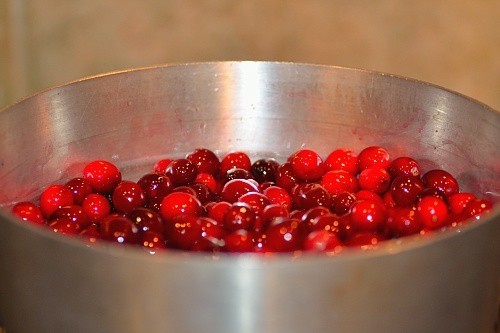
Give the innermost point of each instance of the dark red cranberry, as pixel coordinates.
(432, 192)
(338, 181)
(28, 211)
(323, 241)
(404, 167)
(369, 195)
(433, 212)
(155, 185)
(373, 157)
(160, 167)
(263, 186)
(298, 214)
(128, 196)
(310, 215)
(146, 220)
(374, 179)
(205, 161)
(185, 189)
(239, 241)
(365, 241)
(345, 227)
(212, 235)
(307, 165)
(217, 211)
(368, 216)
(457, 202)
(152, 240)
(80, 188)
(102, 175)
(64, 225)
(76, 214)
(119, 229)
(264, 170)
(234, 189)
(208, 180)
(342, 159)
(237, 173)
(256, 200)
(309, 195)
(96, 206)
(286, 177)
(403, 222)
(178, 203)
(154, 204)
(203, 193)
(239, 216)
(278, 195)
(406, 189)
(236, 160)
(342, 203)
(441, 180)
(327, 222)
(183, 231)
(91, 234)
(286, 236)
(259, 240)
(273, 211)
(181, 172)
(53, 198)
(477, 207)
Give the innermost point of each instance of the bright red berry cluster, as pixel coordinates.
(202, 203)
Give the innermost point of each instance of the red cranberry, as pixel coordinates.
(374, 179)
(119, 229)
(181, 172)
(264, 170)
(406, 189)
(256, 200)
(342, 159)
(146, 220)
(307, 165)
(102, 175)
(369, 195)
(286, 236)
(345, 228)
(183, 231)
(441, 180)
(309, 195)
(152, 240)
(80, 188)
(457, 202)
(128, 196)
(368, 216)
(365, 241)
(208, 180)
(64, 225)
(404, 167)
(323, 241)
(237, 160)
(298, 214)
(203, 193)
(477, 207)
(53, 198)
(273, 211)
(278, 195)
(155, 185)
(388, 200)
(373, 157)
(91, 234)
(328, 222)
(212, 235)
(342, 203)
(154, 204)
(263, 186)
(286, 177)
(432, 192)
(234, 189)
(433, 212)
(237, 173)
(96, 206)
(205, 161)
(160, 167)
(403, 222)
(239, 216)
(239, 241)
(338, 181)
(75, 213)
(217, 211)
(309, 216)
(28, 211)
(178, 203)
(185, 189)
(259, 240)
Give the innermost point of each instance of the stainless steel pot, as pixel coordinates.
(49, 283)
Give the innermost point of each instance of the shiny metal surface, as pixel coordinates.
(48, 283)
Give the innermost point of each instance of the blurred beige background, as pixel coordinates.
(455, 44)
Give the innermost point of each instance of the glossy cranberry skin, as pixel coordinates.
(307, 165)
(205, 161)
(102, 175)
(309, 195)
(457, 202)
(342, 203)
(374, 179)
(264, 170)
(119, 229)
(155, 186)
(338, 181)
(286, 177)
(271, 212)
(327, 222)
(128, 196)
(217, 211)
(208, 180)
(202, 193)
(404, 167)
(239, 241)
(212, 235)
(369, 195)
(373, 157)
(279, 196)
(183, 231)
(432, 192)
(365, 241)
(433, 212)
(146, 220)
(239, 216)
(406, 189)
(368, 216)
(96, 206)
(342, 159)
(160, 166)
(181, 172)
(28, 211)
(234, 189)
(308, 219)
(237, 173)
(53, 198)
(91, 234)
(179, 203)
(237, 160)
(441, 180)
(388, 200)
(323, 241)
(286, 236)
(257, 201)
(402, 221)
(152, 240)
(477, 207)
(80, 188)
(64, 225)
(75, 214)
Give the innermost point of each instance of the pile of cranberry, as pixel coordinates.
(202, 203)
